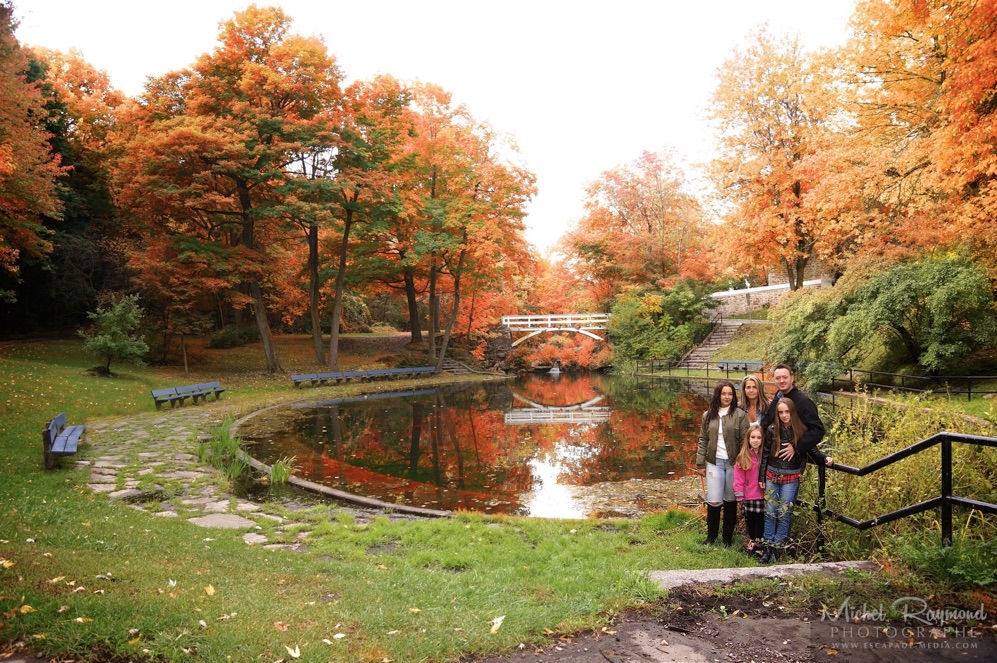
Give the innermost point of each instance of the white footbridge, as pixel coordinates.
(580, 323)
(536, 413)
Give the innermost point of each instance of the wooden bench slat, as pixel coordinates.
(174, 395)
(59, 439)
(67, 442)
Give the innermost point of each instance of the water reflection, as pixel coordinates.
(553, 446)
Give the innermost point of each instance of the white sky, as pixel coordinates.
(582, 86)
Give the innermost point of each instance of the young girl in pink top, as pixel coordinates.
(748, 485)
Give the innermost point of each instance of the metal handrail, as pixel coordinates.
(945, 500)
(668, 366)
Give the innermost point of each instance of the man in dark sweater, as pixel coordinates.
(785, 381)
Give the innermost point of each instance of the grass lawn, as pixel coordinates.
(747, 344)
(87, 577)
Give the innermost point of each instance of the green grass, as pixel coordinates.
(401, 590)
(761, 314)
(747, 344)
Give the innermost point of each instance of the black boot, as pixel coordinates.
(730, 522)
(712, 524)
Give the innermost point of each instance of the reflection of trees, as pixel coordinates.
(452, 450)
(567, 391)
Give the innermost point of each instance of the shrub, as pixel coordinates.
(933, 312)
(114, 334)
(867, 432)
(234, 337)
(648, 324)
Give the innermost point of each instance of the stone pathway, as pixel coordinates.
(150, 461)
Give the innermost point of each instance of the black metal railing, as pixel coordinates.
(712, 369)
(953, 385)
(945, 500)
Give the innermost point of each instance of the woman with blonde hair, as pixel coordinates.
(753, 399)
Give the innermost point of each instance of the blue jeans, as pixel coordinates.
(779, 500)
(720, 482)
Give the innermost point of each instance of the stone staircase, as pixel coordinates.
(457, 367)
(719, 337)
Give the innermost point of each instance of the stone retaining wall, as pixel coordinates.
(735, 302)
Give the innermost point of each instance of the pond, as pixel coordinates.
(566, 446)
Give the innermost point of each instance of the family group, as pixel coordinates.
(755, 454)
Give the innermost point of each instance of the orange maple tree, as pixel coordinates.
(28, 167)
(640, 226)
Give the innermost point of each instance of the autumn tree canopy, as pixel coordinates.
(640, 226)
(29, 168)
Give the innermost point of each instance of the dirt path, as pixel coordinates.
(697, 626)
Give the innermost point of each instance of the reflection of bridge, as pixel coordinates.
(581, 323)
(580, 413)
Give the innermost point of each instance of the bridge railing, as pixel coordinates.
(559, 321)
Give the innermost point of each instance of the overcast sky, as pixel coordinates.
(581, 86)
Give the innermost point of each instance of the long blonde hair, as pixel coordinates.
(763, 401)
(743, 459)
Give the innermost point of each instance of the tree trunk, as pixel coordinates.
(801, 268)
(415, 326)
(337, 305)
(255, 291)
(431, 351)
(453, 312)
(269, 350)
(913, 349)
(183, 351)
(313, 294)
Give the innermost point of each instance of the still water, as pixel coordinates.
(567, 446)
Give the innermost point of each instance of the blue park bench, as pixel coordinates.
(59, 439)
(174, 395)
(372, 374)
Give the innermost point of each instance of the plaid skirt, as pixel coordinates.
(752, 506)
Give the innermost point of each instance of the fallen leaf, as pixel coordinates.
(327, 641)
(209, 590)
(39, 636)
(7, 563)
(135, 641)
(832, 652)
(607, 631)
(83, 620)
(339, 636)
(393, 632)
(414, 610)
(56, 579)
(280, 626)
(172, 583)
(98, 591)
(497, 623)
(62, 609)
(202, 623)
(293, 653)
(25, 609)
